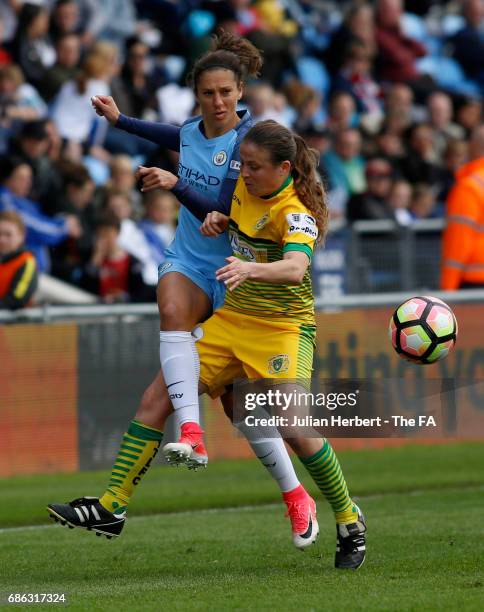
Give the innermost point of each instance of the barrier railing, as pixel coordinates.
(378, 257)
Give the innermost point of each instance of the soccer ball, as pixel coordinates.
(423, 329)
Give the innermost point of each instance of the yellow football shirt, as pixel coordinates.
(261, 230)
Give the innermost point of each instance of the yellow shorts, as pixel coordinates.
(235, 345)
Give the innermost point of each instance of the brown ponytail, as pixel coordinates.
(232, 53)
(308, 187)
(282, 145)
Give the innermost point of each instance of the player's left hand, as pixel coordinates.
(235, 273)
(155, 178)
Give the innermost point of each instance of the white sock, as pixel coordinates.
(272, 453)
(181, 370)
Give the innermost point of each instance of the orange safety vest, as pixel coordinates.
(463, 238)
(9, 268)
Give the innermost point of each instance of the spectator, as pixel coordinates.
(122, 178)
(158, 226)
(70, 257)
(31, 47)
(440, 111)
(305, 101)
(137, 80)
(344, 169)
(455, 156)
(390, 145)
(420, 163)
(18, 270)
(113, 21)
(66, 68)
(341, 112)
(359, 26)
(5, 57)
(317, 137)
(8, 17)
(112, 273)
(463, 240)
(65, 19)
(468, 44)
(399, 104)
(396, 52)
(275, 36)
(373, 203)
(424, 203)
(131, 238)
(400, 200)
(260, 99)
(42, 231)
(32, 146)
(355, 78)
(19, 101)
(72, 112)
(469, 114)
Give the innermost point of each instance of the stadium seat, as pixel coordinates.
(449, 75)
(312, 72)
(415, 27)
(451, 24)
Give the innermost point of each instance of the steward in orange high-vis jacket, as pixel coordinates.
(18, 268)
(463, 239)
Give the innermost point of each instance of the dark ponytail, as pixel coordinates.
(231, 53)
(282, 145)
(308, 187)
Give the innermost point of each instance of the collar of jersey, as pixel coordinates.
(285, 184)
(244, 116)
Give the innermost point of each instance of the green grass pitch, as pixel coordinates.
(218, 540)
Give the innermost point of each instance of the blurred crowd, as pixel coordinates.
(389, 92)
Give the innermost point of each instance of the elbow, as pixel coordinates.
(297, 277)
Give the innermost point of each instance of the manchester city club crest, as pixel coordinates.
(220, 158)
(278, 364)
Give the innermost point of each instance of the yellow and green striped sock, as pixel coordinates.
(325, 470)
(138, 449)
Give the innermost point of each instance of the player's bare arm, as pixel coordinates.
(287, 271)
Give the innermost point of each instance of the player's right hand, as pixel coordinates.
(215, 224)
(105, 106)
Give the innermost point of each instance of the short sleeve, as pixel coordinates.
(298, 229)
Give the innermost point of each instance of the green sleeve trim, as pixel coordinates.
(144, 432)
(297, 246)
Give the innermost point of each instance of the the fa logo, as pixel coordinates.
(220, 158)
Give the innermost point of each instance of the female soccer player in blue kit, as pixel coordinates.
(188, 290)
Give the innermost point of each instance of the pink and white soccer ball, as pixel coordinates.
(423, 329)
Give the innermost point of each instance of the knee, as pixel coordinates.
(173, 316)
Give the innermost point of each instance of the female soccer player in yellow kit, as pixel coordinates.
(266, 327)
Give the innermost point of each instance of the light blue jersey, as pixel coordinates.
(204, 164)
